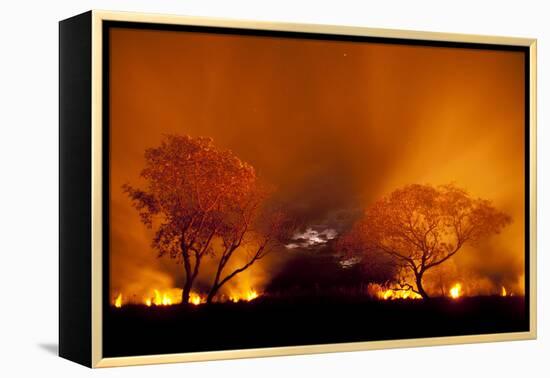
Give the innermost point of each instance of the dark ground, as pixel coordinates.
(270, 322)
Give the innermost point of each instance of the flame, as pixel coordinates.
(196, 299)
(398, 294)
(390, 293)
(251, 295)
(247, 296)
(169, 297)
(163, 299)
(118, 301)
(456, 291)
(172, 296)
(503, 292)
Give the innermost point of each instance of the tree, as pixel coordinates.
(253, 231)
(420, 227)
(191, 186)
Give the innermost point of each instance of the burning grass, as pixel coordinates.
(173, 296)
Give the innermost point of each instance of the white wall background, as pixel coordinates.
(29, 189)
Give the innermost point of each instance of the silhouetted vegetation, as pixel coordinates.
(302, 320)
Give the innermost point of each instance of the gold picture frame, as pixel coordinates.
(90, 328)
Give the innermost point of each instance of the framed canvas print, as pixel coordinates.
(236, 189)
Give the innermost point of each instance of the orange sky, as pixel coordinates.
(333, 125)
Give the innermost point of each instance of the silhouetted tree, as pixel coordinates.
(191, 187)
(255, 232)
(420, 227)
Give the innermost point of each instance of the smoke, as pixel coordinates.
(135, 269)
(333, 125)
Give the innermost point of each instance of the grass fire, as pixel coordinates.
(233, 253)
(331, 192)
(173, 296)
(456, 291)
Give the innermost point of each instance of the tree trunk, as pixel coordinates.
(215, 285)
(186, 291)
(188, 280)
(419, 286)
(212, 293)
(218, 284)
(223, 261)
